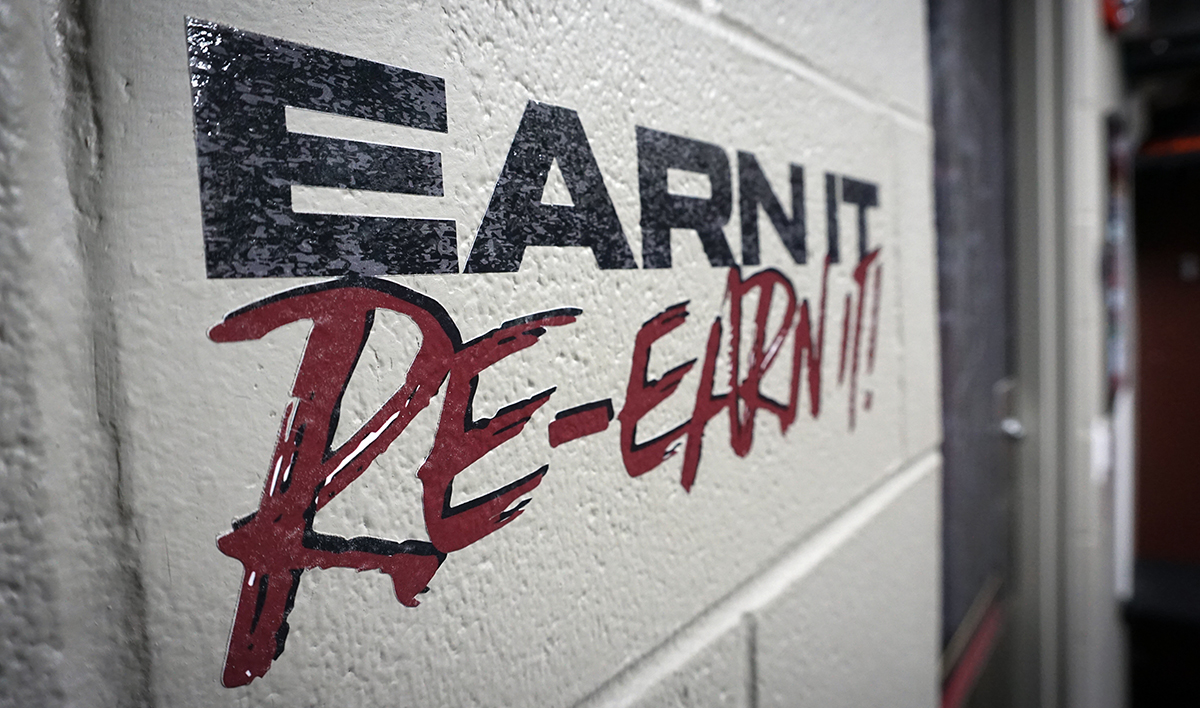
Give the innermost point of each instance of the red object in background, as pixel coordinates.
(1118, 13)
(1168, 279)
(957, 688)
(1179, 145)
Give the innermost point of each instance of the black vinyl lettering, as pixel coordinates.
(754, 190)
(864, 195)
(831, 216)
(248, 161)
(662, 211)
(516, 217)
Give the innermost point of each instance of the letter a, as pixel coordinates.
(516, 216)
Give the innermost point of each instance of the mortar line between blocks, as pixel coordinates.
(751, 623)
(638, 677)
(737, 35)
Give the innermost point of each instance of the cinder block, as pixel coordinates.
(917, 289)
(878, 48)
(718, 676)
(861, 629)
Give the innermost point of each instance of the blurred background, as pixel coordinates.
(1067, 173)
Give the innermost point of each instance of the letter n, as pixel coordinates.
(754, 190)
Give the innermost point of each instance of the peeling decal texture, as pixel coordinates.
(248, 161)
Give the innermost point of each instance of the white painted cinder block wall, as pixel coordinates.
(805, 572)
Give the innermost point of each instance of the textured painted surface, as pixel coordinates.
(27, 627)
(71, 571)
(878, 49)
(719, 675)
(861, 630)
(602, 570)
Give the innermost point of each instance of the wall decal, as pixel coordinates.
(516, 218)
(574, 423)
(277, 543)
(241, 83)
(248, 161)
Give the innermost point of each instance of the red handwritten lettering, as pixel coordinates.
(809, 349)
(575, 423)
(745, 397)
(642, 395)
(277, 543)
(860, 280)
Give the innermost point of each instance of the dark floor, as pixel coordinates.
(1164, 635)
